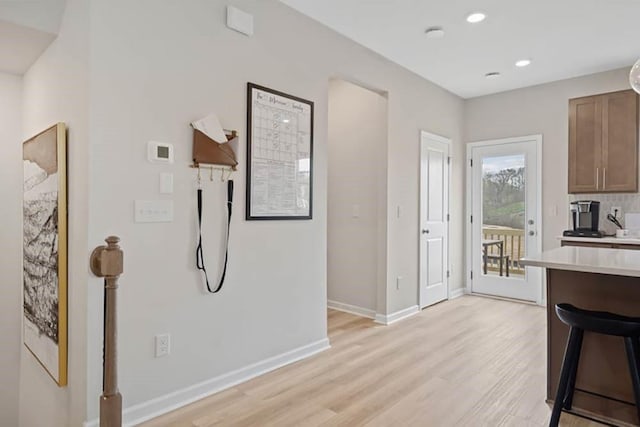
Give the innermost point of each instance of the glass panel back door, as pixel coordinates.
(505, 223)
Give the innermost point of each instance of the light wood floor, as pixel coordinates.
(468, 362)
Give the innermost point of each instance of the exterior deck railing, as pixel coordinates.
(513, 243)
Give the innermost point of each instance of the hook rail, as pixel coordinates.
(211, 168)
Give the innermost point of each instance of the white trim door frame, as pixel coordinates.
(534, 275)
(435, 178)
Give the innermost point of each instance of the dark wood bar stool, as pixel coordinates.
(602, 323)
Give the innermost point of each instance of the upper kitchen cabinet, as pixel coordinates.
(603, 143)
(585, 144)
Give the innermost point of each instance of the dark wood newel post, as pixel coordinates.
(107, 262)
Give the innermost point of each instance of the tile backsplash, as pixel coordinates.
(630, 203)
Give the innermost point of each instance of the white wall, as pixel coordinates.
(55, 90)
(149, 79)
(152, 76)
(541, 109)
(10, 245)
(357, 195)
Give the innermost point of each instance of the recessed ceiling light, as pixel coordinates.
(476, 17)
(434, 33)
(492, 75)
(523, 63)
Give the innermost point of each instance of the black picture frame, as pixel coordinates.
(276, 155)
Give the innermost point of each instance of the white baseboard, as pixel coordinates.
(397, 316)
(456, 293)
(351, 309)
(155, 407)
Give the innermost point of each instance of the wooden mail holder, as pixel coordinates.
(209, 152)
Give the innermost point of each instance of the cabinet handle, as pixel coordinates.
(604, 178)
(597, 178)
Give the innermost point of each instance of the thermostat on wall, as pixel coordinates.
(160, 152)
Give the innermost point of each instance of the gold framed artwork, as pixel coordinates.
(44, 252)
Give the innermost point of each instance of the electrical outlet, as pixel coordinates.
(163, 345)
(616, 211)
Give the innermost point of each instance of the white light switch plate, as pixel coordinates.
(154, 210)
(166, 183)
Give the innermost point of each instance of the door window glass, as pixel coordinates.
(503, 215)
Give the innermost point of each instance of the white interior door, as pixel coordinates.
(434, 216)
(505, 217)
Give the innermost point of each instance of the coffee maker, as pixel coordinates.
(585, 215)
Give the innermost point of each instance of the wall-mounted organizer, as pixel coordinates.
(213, 155)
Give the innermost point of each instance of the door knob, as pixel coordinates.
(530, 222)
(532, 233)
(425, 231)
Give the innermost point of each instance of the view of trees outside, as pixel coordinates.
(503, 189)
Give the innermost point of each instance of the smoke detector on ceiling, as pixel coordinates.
(434, 33)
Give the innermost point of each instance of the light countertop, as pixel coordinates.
(618, 262)
(616, 240)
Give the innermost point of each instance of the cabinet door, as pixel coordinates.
(585, 144)
(620, 142)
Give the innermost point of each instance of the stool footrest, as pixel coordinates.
(600, 322)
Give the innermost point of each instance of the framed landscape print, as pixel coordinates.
(44, 210)
(279, 155)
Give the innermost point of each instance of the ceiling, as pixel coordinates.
(27, 28)
(563, 38)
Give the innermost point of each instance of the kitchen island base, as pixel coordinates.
(603, 385)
